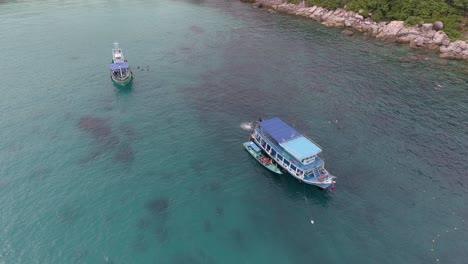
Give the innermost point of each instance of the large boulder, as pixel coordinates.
(440, 38)
(444, 49)
(426, 27)
(430, 34)
(438, 25)
(361, 27)
(349, 14)
(461, 44)
(449, 55)
(334, 21)
(417, 42)
(408, 35)
(350, 21)
(312, 9)
(339, 12)
(375, 29)
(327, 15)
(317, 15)
(302, 12)
(464, 55)
(390, 31)
(455, 50)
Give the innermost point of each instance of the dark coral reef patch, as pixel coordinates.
(97, 127)
(158, 206)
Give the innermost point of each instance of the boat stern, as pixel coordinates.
(323, 182)
(122, 82)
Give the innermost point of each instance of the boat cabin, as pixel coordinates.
(117, 55)
(120, 70)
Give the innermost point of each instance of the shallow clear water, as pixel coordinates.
(157, 173)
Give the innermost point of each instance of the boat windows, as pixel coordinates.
(309, 172)
(273, 152)
(293, 167)
(308, 160)
(268, 148)
(279, 157)
(286, 162)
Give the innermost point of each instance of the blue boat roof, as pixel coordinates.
(117, 66)
(279, 130)
(301, 148)
(289, 139)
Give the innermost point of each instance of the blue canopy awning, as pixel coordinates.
(279, 130)
(117, 66)
(301, 148)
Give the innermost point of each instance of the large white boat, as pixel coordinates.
(294, 152)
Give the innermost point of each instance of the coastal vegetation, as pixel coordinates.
(453, 13)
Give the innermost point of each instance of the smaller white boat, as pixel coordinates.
(119, 68)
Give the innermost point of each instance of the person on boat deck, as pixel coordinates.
(266, 161)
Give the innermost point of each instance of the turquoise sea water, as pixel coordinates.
(157, 173)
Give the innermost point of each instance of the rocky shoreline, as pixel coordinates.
(429, 36)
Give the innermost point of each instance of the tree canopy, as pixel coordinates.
(453, 13)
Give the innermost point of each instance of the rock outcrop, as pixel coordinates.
(429, 36)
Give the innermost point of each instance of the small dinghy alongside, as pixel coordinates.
(256, 152)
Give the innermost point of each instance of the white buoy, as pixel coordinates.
(312, 221)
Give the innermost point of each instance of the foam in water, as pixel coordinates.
(246, 126)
